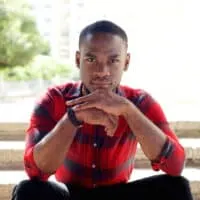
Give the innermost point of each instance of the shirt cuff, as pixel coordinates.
(163, 156)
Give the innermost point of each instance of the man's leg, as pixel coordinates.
(34, 189)
(161, 187)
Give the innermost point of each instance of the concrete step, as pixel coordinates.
(16, 130)
(11, 154)
(10, 178)
(12, 130)
(186, 129)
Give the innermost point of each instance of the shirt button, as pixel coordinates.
(93, 165)
(95, 144)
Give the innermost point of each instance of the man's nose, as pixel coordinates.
(102, 70)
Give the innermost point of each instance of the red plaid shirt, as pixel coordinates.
(94, 158)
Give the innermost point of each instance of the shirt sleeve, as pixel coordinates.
(41, 123)
(172, 157)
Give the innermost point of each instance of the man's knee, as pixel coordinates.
(180, 187)
(24, 190)
(179, 181)
(35, 189)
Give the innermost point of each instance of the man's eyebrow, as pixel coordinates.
(89, 54)
(114, 56)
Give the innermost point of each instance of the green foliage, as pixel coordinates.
(42, 67)
(20, 41)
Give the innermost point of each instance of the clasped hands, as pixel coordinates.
(100, 107)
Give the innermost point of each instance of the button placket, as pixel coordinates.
(94, 165)
(94, 144)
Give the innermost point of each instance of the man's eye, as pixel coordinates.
(114, 60)
(91, 59)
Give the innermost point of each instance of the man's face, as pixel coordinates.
(102, 59)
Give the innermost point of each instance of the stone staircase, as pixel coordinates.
(12, 145)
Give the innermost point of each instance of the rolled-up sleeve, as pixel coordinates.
(41, 123)
(172, 158)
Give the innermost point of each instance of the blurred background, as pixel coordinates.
(38, 40)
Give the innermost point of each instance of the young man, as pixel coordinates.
(86, 133)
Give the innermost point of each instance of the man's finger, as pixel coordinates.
(111, 126)
(87, 105)
(114, 119)
(78, 100)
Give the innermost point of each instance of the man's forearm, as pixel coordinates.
(150, 137)
(50, 152)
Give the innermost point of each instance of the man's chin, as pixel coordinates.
(101, 87)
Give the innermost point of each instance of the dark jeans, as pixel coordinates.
(160, 187)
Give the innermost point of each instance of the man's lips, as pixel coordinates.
(101, 83)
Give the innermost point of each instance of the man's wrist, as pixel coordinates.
(72, 115)
(78, 115)
(127, 108)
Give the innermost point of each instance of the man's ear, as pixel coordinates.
(78, 59)
(128, 57)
